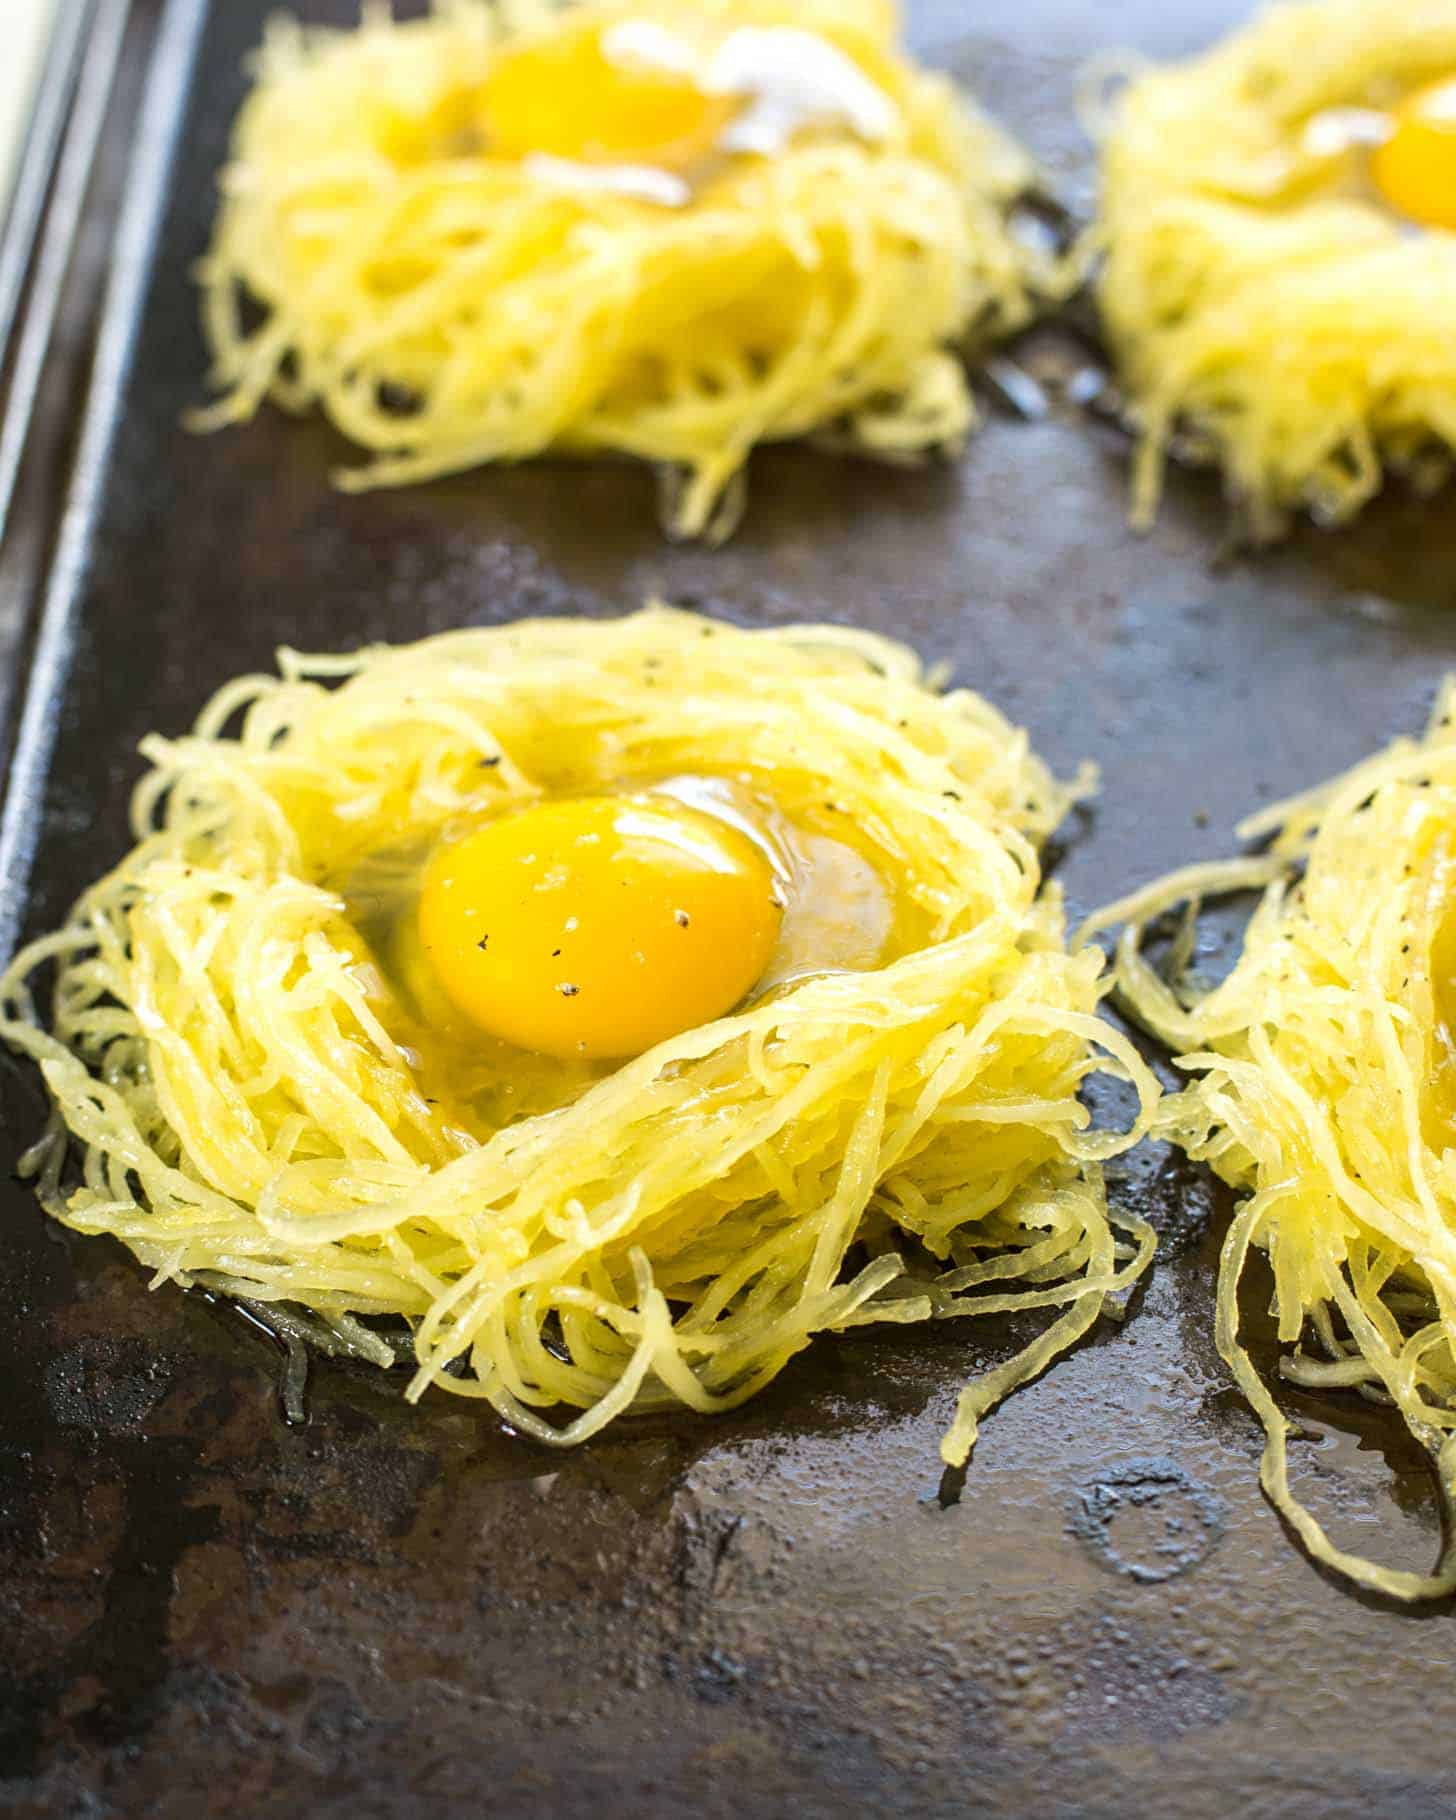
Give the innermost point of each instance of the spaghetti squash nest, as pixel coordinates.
(1325, 1093)
(449, 297)
(1260, 294)
(256, 1109)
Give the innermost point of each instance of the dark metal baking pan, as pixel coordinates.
(23, 201)
(39, 220)
(397, 1611)
(54, 255)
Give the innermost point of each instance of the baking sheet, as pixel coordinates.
(393, 1611)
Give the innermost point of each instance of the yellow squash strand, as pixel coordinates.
(249, 1100)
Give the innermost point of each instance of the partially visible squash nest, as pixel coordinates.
(1266, 309)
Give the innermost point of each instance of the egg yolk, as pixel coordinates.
(598, 926)
(1415, 169)
(563, 96)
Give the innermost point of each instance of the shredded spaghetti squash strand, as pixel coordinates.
(447, 308)
(247, 1096)
(1325, 1093)
(1256, 294)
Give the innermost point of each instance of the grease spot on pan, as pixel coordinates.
(1147, 1519)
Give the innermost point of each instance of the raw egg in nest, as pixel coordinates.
(589, 1014)
(667, 230)
(1281, 265)
(598, 926)
(1415, 167)
(1405, 153)
(574, 95)
(661, 920)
